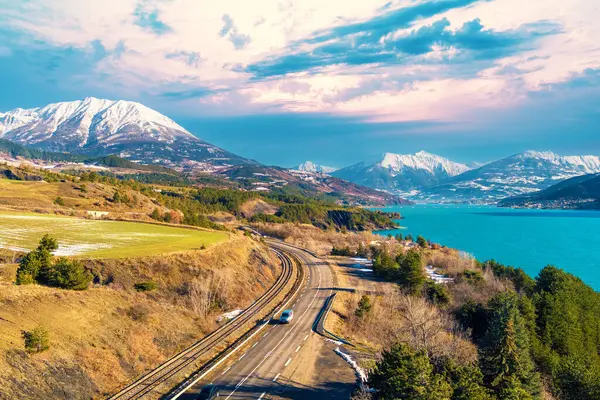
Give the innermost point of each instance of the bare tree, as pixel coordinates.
(206, 293)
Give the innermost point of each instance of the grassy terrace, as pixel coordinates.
(100, 239)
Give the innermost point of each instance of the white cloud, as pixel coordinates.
(264, 28)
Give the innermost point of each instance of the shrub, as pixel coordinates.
(67, 274)
(421, 241)
(36, 340)
(364, 306)
(139, 312)
(24, 278)
(145, 286)
(436, 293)
(59, 201)
(473, 277)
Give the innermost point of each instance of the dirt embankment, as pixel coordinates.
(104, 337)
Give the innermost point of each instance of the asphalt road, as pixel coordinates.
(257, 370)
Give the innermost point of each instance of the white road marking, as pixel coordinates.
(274, 379)
(262, 395)
(227, 369)
(254, 345)
(243, 355)
(265, 334)
(305, 337)
(278, 343)
(298, 349)
(288, 362)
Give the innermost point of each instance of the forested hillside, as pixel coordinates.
(532, 337)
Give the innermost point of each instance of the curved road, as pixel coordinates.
(256, 372)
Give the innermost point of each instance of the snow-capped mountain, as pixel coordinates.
(101, 127)
(311, 167)
(402, 173)
(512, 176)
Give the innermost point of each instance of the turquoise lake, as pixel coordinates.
(530, 239)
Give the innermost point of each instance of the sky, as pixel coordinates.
(335, 82)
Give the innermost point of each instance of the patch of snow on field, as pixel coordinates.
(80, 248)
(229, 315)
(12, 248)
(360, 372)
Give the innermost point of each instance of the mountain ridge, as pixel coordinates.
(516, 175)
(401, 173)
(99, 127)
(309, 166)
(580, 192)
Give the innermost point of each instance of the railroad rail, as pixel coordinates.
(150, 381)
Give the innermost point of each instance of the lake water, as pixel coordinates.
(530, 239)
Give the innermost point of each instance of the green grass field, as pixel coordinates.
(99, 239)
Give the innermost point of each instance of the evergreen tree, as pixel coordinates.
(35, 265)
(466, 381)
(364, 306)
(399, 237)
(385, 265)
(69, 274)
(422, 242)
(505, 353)
(405, 374)
(411, 275)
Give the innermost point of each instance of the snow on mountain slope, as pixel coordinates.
(402, 173)
(100, 127)
(516, 175)
(311, 167)
(397, 163)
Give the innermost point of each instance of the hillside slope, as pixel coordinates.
(579, 192)
(105, 336)
(266, 179)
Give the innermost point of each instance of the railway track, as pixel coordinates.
(149, 382)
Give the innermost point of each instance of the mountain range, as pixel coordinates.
(516, 175)
(97, 127)
(102, 127)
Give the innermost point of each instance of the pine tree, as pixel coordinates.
(411, 275)
(405, 374)
(421, 241)
(505, 354)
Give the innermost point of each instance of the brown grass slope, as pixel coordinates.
(106, 336)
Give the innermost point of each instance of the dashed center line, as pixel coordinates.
(276, 376)
(298, 349)
(305, 337)
(262, 395)
(288, 362)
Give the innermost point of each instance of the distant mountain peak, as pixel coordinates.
(422, 160)
(544, 155)
(309, 166)
(402, 173)
(101, 127)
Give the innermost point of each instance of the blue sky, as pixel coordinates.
(335, 82)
